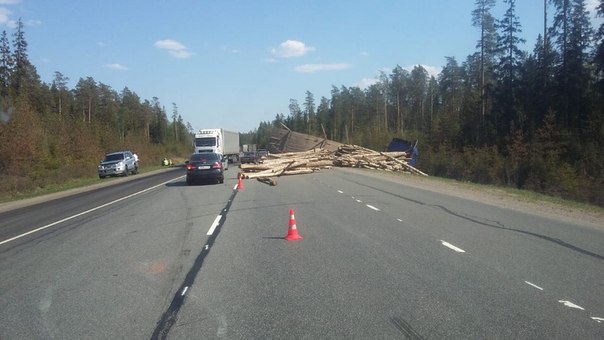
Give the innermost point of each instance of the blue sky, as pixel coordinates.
(233, 64)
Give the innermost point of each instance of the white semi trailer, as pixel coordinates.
(218, 140)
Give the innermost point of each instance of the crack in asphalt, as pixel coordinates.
(492, 224)
(405, 328)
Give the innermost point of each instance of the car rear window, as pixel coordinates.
(114, 157)
(204, 157)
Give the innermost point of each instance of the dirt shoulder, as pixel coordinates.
(568, 211)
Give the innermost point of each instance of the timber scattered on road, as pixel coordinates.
(306, 162)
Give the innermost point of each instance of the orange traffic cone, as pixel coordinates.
(292, 232)
(239, 184)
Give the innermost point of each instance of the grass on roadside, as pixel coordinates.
(59, 187)
(513, 193)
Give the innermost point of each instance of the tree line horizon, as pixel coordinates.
(525, 119)
(528, 120)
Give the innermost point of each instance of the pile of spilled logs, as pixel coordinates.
(291, 163)
(295, 163)
(359, 157)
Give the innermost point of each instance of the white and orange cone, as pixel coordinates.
(292, 231)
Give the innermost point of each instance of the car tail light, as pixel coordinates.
(190, 166)
(216, 165)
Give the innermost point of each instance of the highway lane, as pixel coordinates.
(379, 260)
(375, 262)
(108, 273)
(15, 222)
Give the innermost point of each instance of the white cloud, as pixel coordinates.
(366, 82)
(9, 2)
(174, 47)
(592, 7)
(432, 70)
(291, 48)
(118, 67)
(311, 68)
(5, 18)
(33, 23)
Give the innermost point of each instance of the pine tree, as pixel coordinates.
(482, 18)
(59, 87)
(6, 64)
(599, 47)
(20, 59)
(573, 33)
(508, 67)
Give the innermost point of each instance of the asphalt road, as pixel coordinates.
(155, 258)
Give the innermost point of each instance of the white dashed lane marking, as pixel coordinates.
(214, 225)
(372, 207)
(450, 246)
(570, 304)
(534, 285)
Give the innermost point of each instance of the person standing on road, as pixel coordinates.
(135, 161)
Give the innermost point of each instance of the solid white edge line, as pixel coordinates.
(372, 207)
(214, 225)
(449, 245)
(85, 212)
(534, 285)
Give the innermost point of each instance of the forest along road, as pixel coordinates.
(379, 259)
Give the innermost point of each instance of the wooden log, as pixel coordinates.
(267, 180)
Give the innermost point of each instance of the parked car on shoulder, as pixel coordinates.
(205, 166)
(249, 157)
(120, 163)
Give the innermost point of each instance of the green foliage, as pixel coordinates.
(51, 135)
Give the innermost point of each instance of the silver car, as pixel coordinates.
(121, 163)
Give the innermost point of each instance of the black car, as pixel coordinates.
(205, 166)
(249, 157)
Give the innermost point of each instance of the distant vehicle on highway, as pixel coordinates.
(261, 153)
(205, 166)
(120, 163)
(249, 157)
